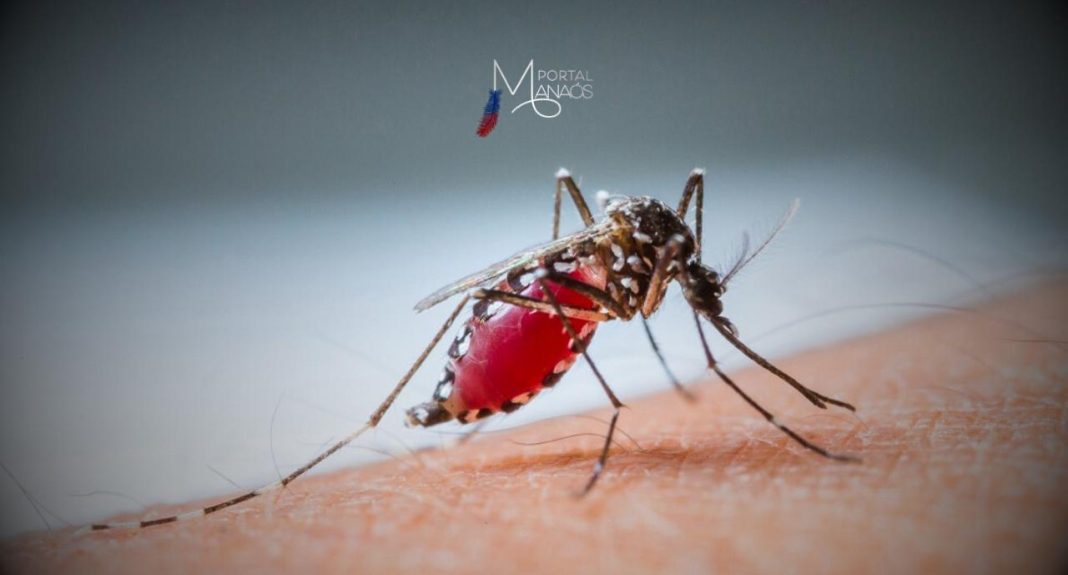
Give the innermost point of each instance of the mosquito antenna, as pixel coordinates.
(789, 215)
(741, 256)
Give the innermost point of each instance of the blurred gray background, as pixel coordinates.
(217, 216)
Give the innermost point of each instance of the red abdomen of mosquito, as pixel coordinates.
(504, 354)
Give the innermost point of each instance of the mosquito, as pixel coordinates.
(536, 312)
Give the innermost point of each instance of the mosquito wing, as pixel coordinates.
(519, 260)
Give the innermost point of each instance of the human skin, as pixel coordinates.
(962, 424)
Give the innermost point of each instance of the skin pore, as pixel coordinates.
(962, 425)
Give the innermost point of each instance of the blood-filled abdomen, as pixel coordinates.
(505, 354)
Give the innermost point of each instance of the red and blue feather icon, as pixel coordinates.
(489, 115)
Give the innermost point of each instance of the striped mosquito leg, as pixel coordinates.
(371, 423)
(685, 393)
(817, 399)
(604, 299)
(598, 469)
(564, 180)
(695, 183)
(540, 305)
(714, 366)
(599, 296)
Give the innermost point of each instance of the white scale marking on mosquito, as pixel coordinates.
(564, 364)
(494, 308)
(443, 391)
(463, 344)
(602, 197)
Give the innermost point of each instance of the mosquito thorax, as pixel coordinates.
(651, 221)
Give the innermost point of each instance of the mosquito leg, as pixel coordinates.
(657, 283)
(816, 398)
(598, 469)
(531, 303)
(564, 180)
(371, 423)
(599, 296)
(714, 366)
(696, 183)
(685, 393)
(613, 309)
(604, 299)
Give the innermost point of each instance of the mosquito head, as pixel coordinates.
(702, 289)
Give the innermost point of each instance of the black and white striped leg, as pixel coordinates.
(598, 469)
(540, 305)
(685, 393)
(564, 180)
(714, 366)
(695, 184)
(605, 300)
(599, 296)
(372, 422)
(817, 399)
